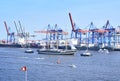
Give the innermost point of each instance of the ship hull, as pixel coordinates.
(57, 52)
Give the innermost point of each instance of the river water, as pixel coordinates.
(98, 67)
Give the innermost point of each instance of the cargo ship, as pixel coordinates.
(11, 45)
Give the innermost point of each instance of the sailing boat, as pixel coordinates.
(29, 50)
(86, 53)
(56, 51)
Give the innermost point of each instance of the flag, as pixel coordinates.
(24, 68)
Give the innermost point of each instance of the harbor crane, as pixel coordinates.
(76, 32)
(110, 35)
(20, 33)
(22, 36)
(10, 35)
(53, 34)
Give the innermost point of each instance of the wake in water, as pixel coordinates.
(22, 57)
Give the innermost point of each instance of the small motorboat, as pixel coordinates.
(29, 51)
(86, 53)
(106, 51)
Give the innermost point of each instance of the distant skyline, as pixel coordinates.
(35, 15)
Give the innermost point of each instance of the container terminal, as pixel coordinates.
(106, 37)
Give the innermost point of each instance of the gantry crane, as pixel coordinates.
(110, 35)
(53, 34)
(76, 32)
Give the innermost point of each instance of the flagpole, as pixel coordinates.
(26, 75)
(24, 68)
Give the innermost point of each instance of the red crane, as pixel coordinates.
(72, 23)
(6, 28)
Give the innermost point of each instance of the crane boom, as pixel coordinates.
(22, 31)
(46, 32)
(6, 28)
(16, 27)
(71, 21)
(20, 27)
(107, 24)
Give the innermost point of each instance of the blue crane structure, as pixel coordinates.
(105, 36)
(54, 33)
(76, 31)
(109, 36)
(92, 34)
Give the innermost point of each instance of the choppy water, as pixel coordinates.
(99, 67)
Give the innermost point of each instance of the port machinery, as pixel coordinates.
(109, 35)
(94, 35)
(22, 36)
(76, 32)
(20, 39)
(53, 33)
(10, 35)
(11, 38)
(104, 36)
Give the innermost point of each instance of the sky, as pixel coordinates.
(35, 15)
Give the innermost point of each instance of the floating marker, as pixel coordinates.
(58, 61)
